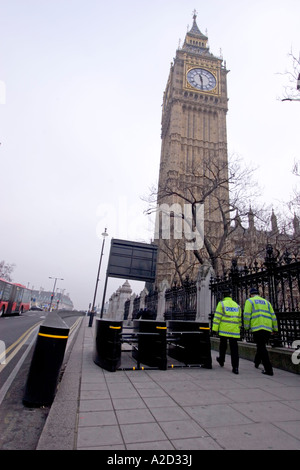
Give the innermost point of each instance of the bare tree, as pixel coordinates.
(295, 201)
(6, 270)
(290, 217)
(227, 190)
(292, 89)
(291, 220)
(175, 252)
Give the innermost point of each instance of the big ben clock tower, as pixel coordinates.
(194, 145)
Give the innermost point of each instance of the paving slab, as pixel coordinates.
(256, 436)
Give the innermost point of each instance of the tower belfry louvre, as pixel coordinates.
(193, 151)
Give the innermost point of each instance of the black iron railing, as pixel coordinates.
(181, 301)
(277, 281)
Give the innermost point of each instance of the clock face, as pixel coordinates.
(201, 79)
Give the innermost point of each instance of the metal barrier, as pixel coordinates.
(151, 341)
(189, 342)
(151, 346)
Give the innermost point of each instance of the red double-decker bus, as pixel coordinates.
(14, 298)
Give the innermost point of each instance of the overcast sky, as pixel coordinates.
(81, 88)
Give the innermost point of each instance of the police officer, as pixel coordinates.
(227, 323)
(260, 318)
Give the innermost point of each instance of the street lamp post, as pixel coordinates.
(92, 313)
(55, 280)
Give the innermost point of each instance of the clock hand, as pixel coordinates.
(201, 80)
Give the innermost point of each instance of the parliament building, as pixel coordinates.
(194, 170)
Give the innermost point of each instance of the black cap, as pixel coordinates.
(226, 292)
(253, 290)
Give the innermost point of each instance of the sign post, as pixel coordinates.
(130, 260)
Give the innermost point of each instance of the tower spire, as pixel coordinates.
(195, 30)
(195, 41)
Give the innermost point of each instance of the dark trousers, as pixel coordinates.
(233, 350)
(261, 337)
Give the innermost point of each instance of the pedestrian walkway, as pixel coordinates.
(177, 409)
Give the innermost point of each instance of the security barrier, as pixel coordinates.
(189, 342)
(107, 347)
(46, 362)
(149, 342)
(151, 346)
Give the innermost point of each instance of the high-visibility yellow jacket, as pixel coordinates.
(259, 315)
(227, 318)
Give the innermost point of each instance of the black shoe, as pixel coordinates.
(220, 362)
(267, 373)
(256, 365)
(235, 370)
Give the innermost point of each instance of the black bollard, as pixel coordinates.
(107, 347)
(46, 362)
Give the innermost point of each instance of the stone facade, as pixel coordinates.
(248, 244)
(194, 169)
(117, 301)
(194, 144)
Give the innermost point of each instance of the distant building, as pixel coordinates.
(42, 299)
(248, 244)
(117, 301)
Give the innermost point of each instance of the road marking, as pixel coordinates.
(4, 389)
(17, 345)
(19, 339)
(74, 326)
(15, 371)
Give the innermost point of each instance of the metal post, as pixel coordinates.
(103, 299)
(52, 296)
(92, 313)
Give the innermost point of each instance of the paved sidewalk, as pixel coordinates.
(178, 409)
